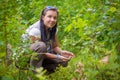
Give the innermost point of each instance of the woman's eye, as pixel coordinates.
(55, 17)
(49, 16)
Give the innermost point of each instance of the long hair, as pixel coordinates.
(52, 31)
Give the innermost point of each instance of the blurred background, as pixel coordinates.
(88, 28)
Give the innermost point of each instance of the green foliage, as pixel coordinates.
(62, 74)
(88, 28)
(40, 74)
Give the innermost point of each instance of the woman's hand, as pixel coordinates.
(67, 54)
(62, 58)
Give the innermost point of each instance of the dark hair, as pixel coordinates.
(52, 31)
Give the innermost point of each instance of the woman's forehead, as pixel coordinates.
(47, 10)
(51, 12)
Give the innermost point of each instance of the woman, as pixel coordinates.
(43, 38)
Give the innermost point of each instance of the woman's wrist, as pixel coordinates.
(57, 57)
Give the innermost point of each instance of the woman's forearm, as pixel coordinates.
(50, 56)
(57, 50)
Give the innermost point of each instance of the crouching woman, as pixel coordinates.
(43, 37)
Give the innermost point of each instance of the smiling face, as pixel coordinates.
(50, 18)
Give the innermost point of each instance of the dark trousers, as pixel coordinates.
(51, 64)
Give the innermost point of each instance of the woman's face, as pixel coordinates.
(50, 18)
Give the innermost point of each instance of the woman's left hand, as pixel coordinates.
(67, 54)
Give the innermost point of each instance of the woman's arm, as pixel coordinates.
(64, 53)
(53, 56)
(33, 39)
(57, 50)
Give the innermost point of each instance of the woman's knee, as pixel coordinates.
(38, 47)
